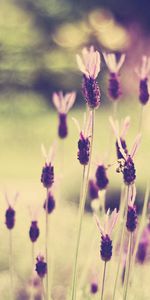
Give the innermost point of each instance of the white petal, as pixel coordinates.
(136, 145)
(81, 65)
(56, 101)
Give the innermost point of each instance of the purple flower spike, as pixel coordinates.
(142, 251)
(34, 231)
(93, 190)
(94, 287)
(106, 248)
(62, 128)
(144, 93)
(41, 267)
(143, 73)
(63, 104)
(106, 231)
(89, 65)
(129, 172)
(84, 140)
(84, 150)
(47, 176)
(101, 177)
(114, 86)
(91, 92)
(49, 203)
(10, 218)
(131, 221)
(114, 68)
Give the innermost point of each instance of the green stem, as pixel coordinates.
(103, 283)
(127, 273)
(33, 255)
(121, 242)
(84, 187)
(11, 265)
(46, 247)
(140, 119)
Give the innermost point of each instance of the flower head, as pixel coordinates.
(89, 65)
(41, 266)
(106, 231)
(114, 67)
(84, 141)
(49, 203)
(101, 177)
(47, 177)
(143, 73)
(10, 212)
(126, 163)
(131, 221)
(34, 231)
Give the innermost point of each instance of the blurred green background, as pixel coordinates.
(38, 43)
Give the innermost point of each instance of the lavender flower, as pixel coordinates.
(93, 189)
(49, 203)
(124, 129)
(114, 67)
(143, 73)
(41, 267)
(106, 231)
(63, 103)
(101, 177)
(131, 221)
(10, 217)
(94, 287)
(89, 65)
(84, 141)
(10, 212)
(47, 176)
(34, 231)
(126, 164)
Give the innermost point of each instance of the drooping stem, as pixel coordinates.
(124, 215)
(128, 265)
(83, 193)
(103, 282)
(11, 265)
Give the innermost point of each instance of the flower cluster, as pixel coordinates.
(63, 104)
(89, 65)
(106, 231)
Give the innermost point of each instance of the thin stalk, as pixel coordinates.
(46, 247)
(33, 255)
(110, 140)
(127, 273)
(90, 252)
(140, 119)
(11, 265)
(44, 296)
(84, 187)
(115, 109)
(141, 226)
(103, 282)
(121, 242)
